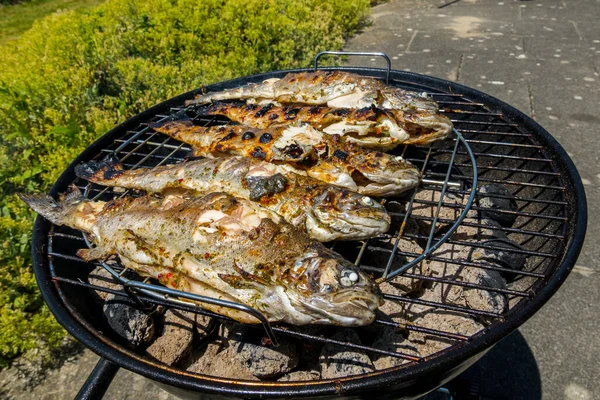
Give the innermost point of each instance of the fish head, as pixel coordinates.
(424, 127)
(340, 213)
(399, 99)
(327, 289)
(382, 174)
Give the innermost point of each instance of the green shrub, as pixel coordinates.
(74, 76)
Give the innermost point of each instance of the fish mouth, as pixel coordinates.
(349, 308)
(361, 299)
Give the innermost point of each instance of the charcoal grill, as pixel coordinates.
(493, 143)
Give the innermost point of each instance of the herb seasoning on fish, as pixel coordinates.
(326, 212)
(269, 264)
(304, 150)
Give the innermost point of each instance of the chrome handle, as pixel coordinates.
(357, 53)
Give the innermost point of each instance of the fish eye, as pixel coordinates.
(348, 278)
(367, 200)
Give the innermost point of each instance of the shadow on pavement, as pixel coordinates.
(508, 371)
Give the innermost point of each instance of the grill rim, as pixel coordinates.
(446, 364)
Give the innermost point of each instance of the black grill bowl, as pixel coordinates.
(75, 309)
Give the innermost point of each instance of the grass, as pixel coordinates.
(16, 19)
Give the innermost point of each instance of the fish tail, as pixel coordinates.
(100, 171)
(55, 212)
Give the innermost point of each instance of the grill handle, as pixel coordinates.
(358, 53)
(99, 380)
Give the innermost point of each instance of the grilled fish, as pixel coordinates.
(326, 212)
(338, 89)
(222, 247)
(368, 127)
(304, 150)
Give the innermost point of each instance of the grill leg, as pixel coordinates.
(99, 380)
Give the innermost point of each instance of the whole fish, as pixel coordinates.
(304, 150)
(222, 247)
(324, 211)
(339, 89)
(368, 127)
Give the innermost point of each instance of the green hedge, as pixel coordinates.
(74, 76)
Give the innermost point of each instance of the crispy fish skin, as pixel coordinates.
(338, 89)
(222, 247)
(325, 212)
(321, 156)
(368, 127)
(334, 88)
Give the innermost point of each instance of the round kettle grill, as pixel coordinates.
(493, 143)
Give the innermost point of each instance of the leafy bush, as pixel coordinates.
(73, 76)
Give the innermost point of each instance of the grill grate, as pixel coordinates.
(496, 151)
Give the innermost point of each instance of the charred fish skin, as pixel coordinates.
(368, 127)
(326, 212)
(223, 247)
(304, 150)
(338, 89)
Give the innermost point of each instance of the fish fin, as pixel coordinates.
(95, 253)
(99, 171)
(237, 282)
(248, 276)
(53, 211)
(170, 127)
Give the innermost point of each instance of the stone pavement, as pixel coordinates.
(542, 57)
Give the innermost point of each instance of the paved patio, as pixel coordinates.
(542, 57)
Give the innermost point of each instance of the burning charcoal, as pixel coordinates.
(264, 361)
(390, 339)
(494, 198)
(340, 361)
(175, 340)
(128, 321)
(507, 258)
(297, 376)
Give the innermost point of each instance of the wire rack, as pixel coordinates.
(484, 141)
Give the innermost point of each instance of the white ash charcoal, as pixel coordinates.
(486, 300)
(480, 299)
(400, 285)
(441, 320)
(204, 326)
(176, 338)
(128, 321)
(495, 198)
(264, 361)
(298, 376)
(488, 229)
(429, 209)
(391, 339)
(257, 356)
(218, 360)
(340, 361)
(507, 257)
(101, 277)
